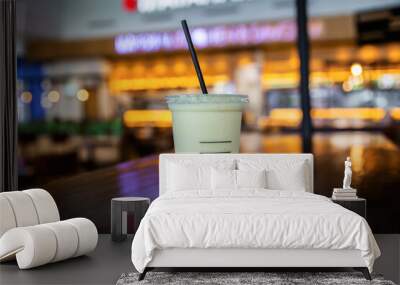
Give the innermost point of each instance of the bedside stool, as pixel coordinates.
(357, 205)
(120, 207)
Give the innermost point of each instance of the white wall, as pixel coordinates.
(73, 19)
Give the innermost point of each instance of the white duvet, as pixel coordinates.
(250, 219)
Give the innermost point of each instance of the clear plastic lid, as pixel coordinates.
(208, 98)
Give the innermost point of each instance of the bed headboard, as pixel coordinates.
(167, 157)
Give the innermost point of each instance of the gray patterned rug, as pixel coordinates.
(231, 278)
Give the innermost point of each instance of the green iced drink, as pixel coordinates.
(206, 123)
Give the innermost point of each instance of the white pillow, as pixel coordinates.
(281, 174)
(223, 179)
(181, 177)
(193, 174)
(228, 179)
(251, 178)
(280, 180)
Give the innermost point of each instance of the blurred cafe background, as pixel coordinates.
(93, 76)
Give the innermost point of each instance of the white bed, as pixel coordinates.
(249, 227)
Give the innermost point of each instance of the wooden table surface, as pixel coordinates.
(376, 175)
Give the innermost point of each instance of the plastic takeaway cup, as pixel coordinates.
(207, 123)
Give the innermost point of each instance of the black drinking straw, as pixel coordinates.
(194, 56)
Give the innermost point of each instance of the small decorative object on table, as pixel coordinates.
(347, 196)
(120, 207)
(347, 192)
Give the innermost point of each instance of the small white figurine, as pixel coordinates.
(347, 174)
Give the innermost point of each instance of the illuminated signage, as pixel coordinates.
(151, 6)
(130, 5)
(213, 37)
